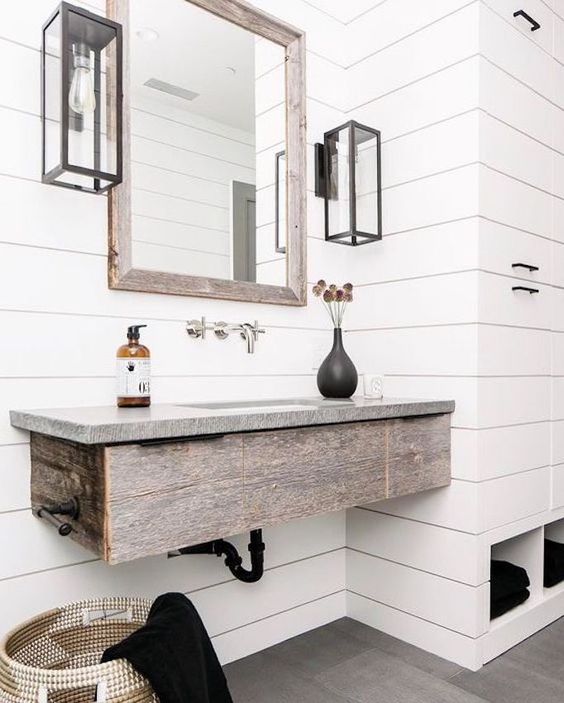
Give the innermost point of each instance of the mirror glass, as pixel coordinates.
(208, 110)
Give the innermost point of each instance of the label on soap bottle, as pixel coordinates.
(133, 378)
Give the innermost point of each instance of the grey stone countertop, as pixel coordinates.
(111, 425)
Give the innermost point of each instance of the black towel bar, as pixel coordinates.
(69, 508)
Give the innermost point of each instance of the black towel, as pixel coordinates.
(174, 652)
(504, 605)
(507, 580)
(553, 563)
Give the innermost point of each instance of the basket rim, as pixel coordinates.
(8, 661)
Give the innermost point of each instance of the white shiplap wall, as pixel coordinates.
(60, 329)
(471, 108)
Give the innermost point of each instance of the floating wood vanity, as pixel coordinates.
(151, 480)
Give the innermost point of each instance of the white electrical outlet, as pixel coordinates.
(373, 385)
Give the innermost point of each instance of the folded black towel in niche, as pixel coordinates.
(507, 579)
(507, 603)
(553, 563)
(174, 652)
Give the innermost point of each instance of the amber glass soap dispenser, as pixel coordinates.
(133, 372)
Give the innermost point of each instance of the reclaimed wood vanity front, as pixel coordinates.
(146, 485)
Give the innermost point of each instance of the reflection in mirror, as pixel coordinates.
(207, 125)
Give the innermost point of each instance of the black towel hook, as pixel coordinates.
(69, 508)
(534, 24)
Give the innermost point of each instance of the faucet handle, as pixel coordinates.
(196, 328)
(258, 330)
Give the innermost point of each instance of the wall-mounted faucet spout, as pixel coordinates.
(247, 331)
(250, 333)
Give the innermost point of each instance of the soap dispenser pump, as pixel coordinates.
(133, 371)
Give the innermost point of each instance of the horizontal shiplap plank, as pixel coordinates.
(557, 486)
(423, 251)
(452, 350)
(447, 553)
(500, 92)
(516, 54)
(440, 44)
(14, 477)
(259, 635)
(479, 455)
(511, 202)
(438, 97)
(513, 351)
(481, 402)
(477, 507)
(426, 635)
(453, 605)
(514, 153)
(318, 576)
(391, 22)
(557, 443)
(448, 349)
(442, 299)
(428, 201)
(433, 149)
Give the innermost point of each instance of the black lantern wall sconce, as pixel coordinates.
(81, 100)
(348, 177)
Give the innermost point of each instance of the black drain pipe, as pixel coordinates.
(233, 560)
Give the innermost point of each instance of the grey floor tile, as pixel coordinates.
(263, 679)
(430, 663)
(376, 677)
(319, 649)
(508, 680)
(542, 653)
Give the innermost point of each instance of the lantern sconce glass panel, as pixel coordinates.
(81, 100)
(348, 177)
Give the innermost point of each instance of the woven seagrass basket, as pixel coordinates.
(54, 658)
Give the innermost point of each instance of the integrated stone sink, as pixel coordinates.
(273, 406)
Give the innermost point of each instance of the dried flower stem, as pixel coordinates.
(334, 299)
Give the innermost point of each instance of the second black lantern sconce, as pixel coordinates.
(81, 100)
(348, 177)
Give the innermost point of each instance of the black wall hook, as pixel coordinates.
(534, 24)
(233, 560)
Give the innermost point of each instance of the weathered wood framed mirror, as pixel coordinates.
(214, 90)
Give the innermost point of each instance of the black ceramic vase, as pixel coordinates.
(337, 376)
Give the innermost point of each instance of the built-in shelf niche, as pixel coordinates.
(525, 550)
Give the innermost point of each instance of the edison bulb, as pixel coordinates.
(82, 99)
